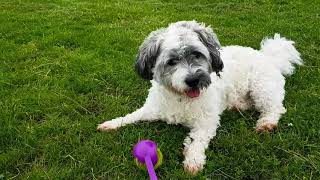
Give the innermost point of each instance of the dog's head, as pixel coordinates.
(180, 57)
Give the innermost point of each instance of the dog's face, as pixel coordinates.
(180, 57)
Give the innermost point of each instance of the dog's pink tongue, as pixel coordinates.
(193, 93)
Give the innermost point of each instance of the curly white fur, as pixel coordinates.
(249, 78)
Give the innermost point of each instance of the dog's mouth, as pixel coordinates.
(193, 93)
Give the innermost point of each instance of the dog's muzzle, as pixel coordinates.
(196, 82)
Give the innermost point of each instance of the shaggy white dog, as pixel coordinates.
(194, 80)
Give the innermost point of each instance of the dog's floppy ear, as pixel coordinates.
(210, 40)
(147, 55)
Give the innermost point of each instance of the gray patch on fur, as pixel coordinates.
(209, 39)
(147, 55)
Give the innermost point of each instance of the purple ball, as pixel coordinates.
(144, 148)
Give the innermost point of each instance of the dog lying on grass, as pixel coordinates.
(194, 80)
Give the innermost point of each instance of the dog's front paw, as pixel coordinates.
(107, 126)
(266, 127)
(194, 161)
(193, 168)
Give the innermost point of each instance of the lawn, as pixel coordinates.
(67, 65)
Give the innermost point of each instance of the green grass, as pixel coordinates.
(67, 65)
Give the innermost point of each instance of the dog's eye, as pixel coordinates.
(172, 62)
(197, 54)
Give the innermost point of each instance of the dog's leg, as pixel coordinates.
(142, 114)
(195, 145)
(268, 95)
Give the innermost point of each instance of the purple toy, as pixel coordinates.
(147, 154)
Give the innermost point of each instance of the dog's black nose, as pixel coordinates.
(192, 81)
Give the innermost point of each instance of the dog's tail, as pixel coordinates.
(284, 53)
